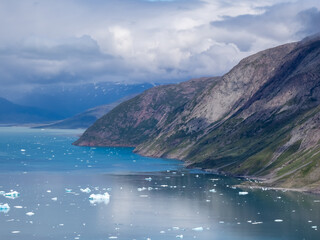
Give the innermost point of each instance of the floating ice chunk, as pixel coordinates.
(48, 191)
(54, 199)
(212, 190)
(5, 208)
(141, 189)
(2, 192)
(86, 190)
(18, 207)
(113, 237)
(179, 236)
(255, 223)
(99, 198)
(148, 179)
(197, 229)
(12, 195)
(243, 193)
(15, 232)
(68, 190)
(30, 213)
(22, 150)
(175, 228)
(278, 220)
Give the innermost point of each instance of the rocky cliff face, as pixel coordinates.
(141, 118)
(260, 119)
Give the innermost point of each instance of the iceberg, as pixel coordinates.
(99, 198)
(4, 208)
(12, 195)
(243, 193)
(278, 220)
(198, 229)
(30, 213)
(86, 190)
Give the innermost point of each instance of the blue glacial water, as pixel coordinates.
(25, 149)
(149, 198)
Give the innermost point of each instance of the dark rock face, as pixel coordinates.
(260, 119)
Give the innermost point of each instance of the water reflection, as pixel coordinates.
(169, 205)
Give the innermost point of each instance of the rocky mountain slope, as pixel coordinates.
(11, 113)
(261, 119)
(135, 121)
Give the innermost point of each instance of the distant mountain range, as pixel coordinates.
(11, 113)
(84, 119)
(70, 100)
(261, 119)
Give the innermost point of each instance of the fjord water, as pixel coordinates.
(149, 198)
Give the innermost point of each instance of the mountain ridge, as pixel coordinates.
(261, 119)
(11, 113)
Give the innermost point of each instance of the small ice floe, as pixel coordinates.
(30, 214)
(212, 190)
(243, 193)
(2, 192)
(12, 195)
(18, 207)
(22, 150)
(86, 190)
(15, 232)
(179, 236)
(141, 189)
(113, 237)
(317, 201)
(5, 208)
(214, 179)
(278, 220)
(315, 227)
(54, 199)
(256, 223)
(68, 190)
(100, 198)
(197, 229)
(48, 191)
(148, 179)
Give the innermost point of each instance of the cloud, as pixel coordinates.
(78, 41)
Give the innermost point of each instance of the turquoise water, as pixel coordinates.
(25, 149)
(149, 198)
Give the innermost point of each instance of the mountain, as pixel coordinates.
(261, 119)
(69, 100)
(11, 113)
(134, 121)
(84, 119)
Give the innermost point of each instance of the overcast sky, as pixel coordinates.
(77, 41)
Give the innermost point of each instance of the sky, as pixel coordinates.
(73, 42)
